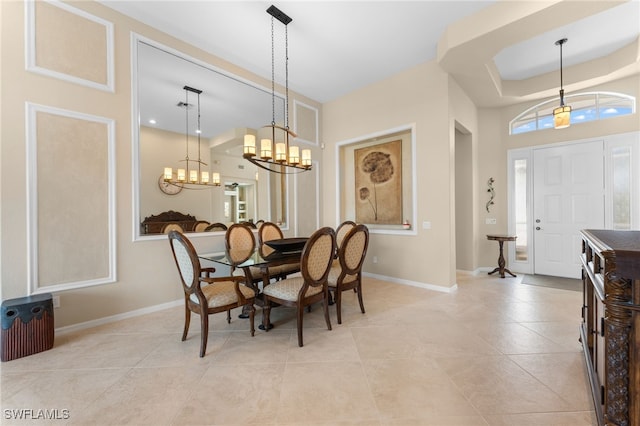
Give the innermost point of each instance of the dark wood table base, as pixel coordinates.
(501, 262)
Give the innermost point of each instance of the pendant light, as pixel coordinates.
(562, 114)
(192, 176)
(277, 154)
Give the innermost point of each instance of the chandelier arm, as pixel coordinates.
(285, 169)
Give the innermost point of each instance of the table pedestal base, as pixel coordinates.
(501, 262)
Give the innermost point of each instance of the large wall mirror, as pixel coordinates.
(230, 107)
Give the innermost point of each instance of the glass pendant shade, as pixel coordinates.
(562, 117)
(562, 114)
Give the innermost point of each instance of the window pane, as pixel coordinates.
(584, 107)
(621, 165)
(520, 183)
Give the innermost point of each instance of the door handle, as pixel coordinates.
(538, 228)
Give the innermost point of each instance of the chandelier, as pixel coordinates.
(562, 114)
(286, 158)
(192, 176)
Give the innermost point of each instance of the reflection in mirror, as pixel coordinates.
(230, 108)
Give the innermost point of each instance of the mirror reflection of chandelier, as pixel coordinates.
(191, 176)
(275, 153)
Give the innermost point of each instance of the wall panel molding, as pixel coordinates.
(67, 43)
(70, 199)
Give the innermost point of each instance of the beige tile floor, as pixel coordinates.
(495, 352)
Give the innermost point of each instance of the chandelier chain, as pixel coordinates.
(286, 76)
(273, 76)
(199, 132)
(186, 133)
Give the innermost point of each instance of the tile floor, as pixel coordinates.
(495, 352)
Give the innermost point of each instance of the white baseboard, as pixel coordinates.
(413, 283)
(118, 317)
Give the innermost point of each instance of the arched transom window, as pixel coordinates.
(589, 106)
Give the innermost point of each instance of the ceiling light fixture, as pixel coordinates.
(191, 177)
(562, 114)
(287, 158)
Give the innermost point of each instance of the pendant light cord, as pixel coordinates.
(273, 77)
(286, 79)
(186, 109)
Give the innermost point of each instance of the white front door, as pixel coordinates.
(568, 195)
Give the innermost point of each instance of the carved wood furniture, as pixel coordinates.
(610, 331)
(501, 262)
(155, 224)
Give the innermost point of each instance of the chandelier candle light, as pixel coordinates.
(286, 158)
(562, 114)
(192, 174)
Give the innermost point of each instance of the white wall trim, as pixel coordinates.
(295, 122)
(426, 286)
(33, 286)
(118, 317)
(30, 46)
(414, 179)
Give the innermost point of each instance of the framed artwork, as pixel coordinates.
(378, 183)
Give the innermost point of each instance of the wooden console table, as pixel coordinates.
(501, 262)
(610, 331)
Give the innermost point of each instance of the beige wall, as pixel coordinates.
(418, 95)
(146, 274)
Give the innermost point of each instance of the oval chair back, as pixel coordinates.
(347, 274)
(269, 231)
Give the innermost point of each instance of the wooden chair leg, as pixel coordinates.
(252, 313)
(339, 305)
(204, 332)
(359, 287)
(266, 311)
(299, 310)
(325, 305)
(229, 316)
(187, 321)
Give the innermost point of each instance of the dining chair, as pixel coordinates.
(347, 274)
(200, 226)
(269, 231)
(204, 294)
(216, 227)
(309, 287)
(171, 227)
(342, 230)
(239, 238)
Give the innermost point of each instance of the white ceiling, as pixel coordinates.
(336, 47)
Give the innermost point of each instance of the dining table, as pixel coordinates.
(263, 257)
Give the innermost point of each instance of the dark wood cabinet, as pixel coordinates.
(610, 331)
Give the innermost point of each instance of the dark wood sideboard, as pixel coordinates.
(155, 224)
(610, 331)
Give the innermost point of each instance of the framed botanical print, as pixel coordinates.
(378, 183)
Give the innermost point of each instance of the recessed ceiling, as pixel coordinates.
(588, 39)
(337, 47)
